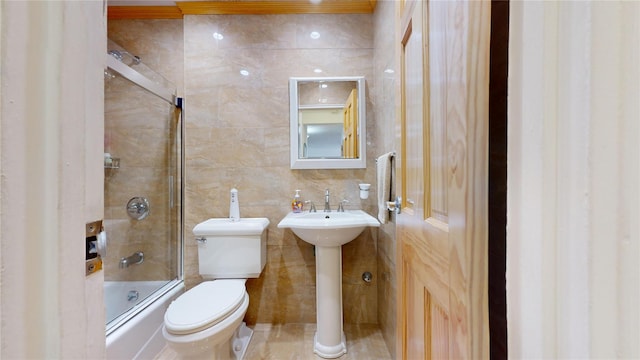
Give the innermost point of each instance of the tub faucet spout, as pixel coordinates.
(135, 258)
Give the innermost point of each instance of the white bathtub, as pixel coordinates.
(138, 335)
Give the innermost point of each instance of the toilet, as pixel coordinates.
(206, 322)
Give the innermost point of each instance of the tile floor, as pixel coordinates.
(295, 341)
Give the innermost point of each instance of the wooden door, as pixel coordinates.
(350, 126)
(443, 180)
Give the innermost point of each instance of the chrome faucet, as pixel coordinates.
(135, 258)
(327, 207)
(312, 207)
(341, 205)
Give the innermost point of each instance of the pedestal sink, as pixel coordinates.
(328, 231)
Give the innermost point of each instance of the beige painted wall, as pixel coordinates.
(51, 178)
(573, 238)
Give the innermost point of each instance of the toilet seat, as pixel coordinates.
(204, 306)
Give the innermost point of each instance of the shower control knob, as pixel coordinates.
(138, 208)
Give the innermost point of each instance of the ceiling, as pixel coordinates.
(168, 9)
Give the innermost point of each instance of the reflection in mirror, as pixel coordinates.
(327, 123)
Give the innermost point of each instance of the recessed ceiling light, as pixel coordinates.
(244, 72)
(324, 86)
(217, 36)
(315, 35)
(389, 71)
(317, 71)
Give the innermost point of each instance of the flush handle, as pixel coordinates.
(201, 240)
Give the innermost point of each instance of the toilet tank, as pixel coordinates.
(232, 249)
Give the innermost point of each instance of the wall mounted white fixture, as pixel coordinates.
(364, 190)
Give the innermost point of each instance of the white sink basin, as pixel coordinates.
(328, 228)
(328, 231)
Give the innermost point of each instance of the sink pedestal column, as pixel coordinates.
(329, 340)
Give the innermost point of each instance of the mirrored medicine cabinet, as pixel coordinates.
(328, 122)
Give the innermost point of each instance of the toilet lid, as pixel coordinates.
(204, 306)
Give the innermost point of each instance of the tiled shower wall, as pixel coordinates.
(139, 131)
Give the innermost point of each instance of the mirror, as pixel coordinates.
(328, 122)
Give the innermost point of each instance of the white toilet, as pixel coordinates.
(206, 321)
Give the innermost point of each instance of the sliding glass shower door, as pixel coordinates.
(143, 184)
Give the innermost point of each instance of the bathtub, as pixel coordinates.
(138, 334)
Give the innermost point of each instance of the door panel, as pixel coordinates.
(350, 126)
(413, 136)
(437, 156)
(442, 229)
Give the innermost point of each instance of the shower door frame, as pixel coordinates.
(170, 97)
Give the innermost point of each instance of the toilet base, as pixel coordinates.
(234, 348)
(240, 340)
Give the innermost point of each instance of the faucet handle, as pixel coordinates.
(312, 207)
(341, 205)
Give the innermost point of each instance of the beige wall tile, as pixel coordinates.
(159, 43)
(384, 135)
(238, 136)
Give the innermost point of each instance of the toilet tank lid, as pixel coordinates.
(224, 226)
